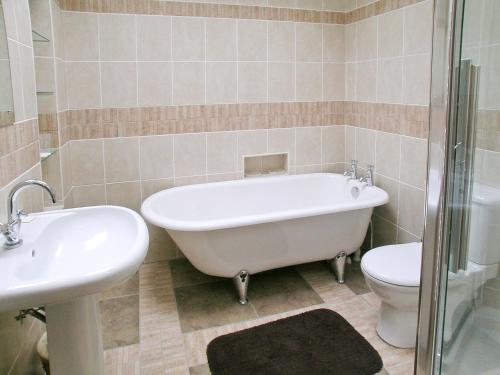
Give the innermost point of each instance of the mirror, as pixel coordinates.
(43, 48)
(6, 101)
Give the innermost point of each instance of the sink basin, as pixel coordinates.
(66, 259)
(71, 253)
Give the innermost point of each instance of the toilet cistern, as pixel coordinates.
(11, 229)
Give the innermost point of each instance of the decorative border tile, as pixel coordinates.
(177, 8)
(19, 149)
(129, 122)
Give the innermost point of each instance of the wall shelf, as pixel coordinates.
(46, 153)
(39, 37)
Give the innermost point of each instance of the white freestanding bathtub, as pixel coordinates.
(238, 228)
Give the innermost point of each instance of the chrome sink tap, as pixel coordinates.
(11, 229)
(353, 172)
(368, 177)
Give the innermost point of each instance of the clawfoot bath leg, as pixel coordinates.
(357, 256)
(241, 281)
(338, 266)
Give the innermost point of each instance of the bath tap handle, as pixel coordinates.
(352, 173)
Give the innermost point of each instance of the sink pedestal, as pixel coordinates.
(74, 337)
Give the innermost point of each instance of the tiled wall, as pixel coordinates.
(147, 78)
(121, 61)
(146, 102)
(19, 160)
(388, 63)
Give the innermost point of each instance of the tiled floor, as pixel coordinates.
(182, 310)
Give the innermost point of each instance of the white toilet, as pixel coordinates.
(393, 274)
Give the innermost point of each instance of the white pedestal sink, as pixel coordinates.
(66, 259)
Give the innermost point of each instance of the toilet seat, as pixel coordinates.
(395, 264)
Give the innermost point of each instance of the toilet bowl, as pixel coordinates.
(393, 274)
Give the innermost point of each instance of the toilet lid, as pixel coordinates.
(394, 264)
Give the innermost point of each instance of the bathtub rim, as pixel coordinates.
(248, 220)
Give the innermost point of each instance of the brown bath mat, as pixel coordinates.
(315, 343)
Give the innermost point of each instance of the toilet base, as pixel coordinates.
(397, 327)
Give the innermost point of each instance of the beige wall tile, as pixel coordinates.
(221, 82)
(281, 82)
(309, 81)
(282, 3)
(156, 157)
(252, 40)
(350, 41)
(414, 161)
(406, 237)
(119, 84)
(281, 41)
(121, 159)
(154, 83)
(83, 89)
(117, 37)
(150, 187)
(390, 80)
(308, 146)
(336, 5)
(489, 88)
(350, 143)
(416, 81)
(418, 28)
(366, 39)
(87, 162)
(309, 42)
(390, 34)
(23, 21)
(332, 144)
(80, 36)
(221, 39)
(365, 146)
(84, 196)
(333, 81)
(28, 79)
(252, 82)
(253, 2)
(62, 102)
(125, 194)
(188, 38)
(309, 4)
(283, 141)
(385, 232)
(189, 83)
(44, 74)
(221, 152)
(490, 27)
(388, 211)
(153, 38)
(366, 81)
(16, 80)
(161, 246)
(411, 209)
(253, 142)
(334, 43)
(190, 155)
(350, 81)
(388, 158)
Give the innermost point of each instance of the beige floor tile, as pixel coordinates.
(164, 349)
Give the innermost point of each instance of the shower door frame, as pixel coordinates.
(447, 37)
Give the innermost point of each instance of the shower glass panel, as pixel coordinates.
(468, 312)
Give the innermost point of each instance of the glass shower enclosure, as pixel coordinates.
(459, 322)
